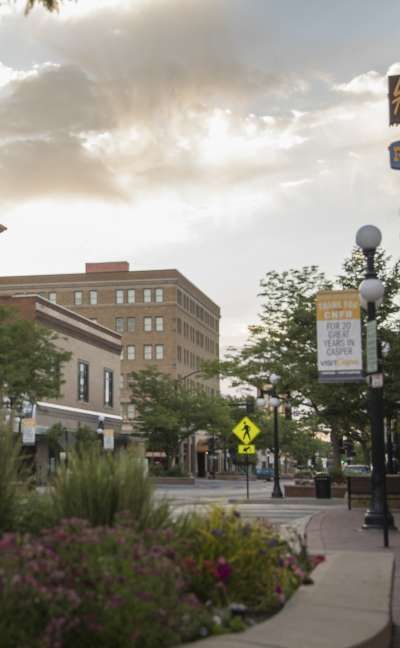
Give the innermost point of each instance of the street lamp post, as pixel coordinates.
(275, 402)
(368, 238)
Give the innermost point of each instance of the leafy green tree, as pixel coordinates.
(30, 361)
(284, 342)
(168, 412)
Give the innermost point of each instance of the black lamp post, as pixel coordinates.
(371, 291)
(275, 402)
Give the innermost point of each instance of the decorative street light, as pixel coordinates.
(275, 402)
(368, 238)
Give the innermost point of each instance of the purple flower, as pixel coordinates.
(224, 570)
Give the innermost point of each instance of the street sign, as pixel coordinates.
(394, 151)
(376, 380)
(339, 336)
(108, 439)
(372, 353)
(28, 426)
(394, 99)
(246, 449)
(246, 430)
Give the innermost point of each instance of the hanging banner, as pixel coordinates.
(108, 439)
(339, 336)
(28, 426)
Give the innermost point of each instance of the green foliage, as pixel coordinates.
(78, 586)
(30, 361)
(12, 475)
(97, 486)
(34, 512)
(231, 560)
(284, 342)
(168, 412)
(336, 475)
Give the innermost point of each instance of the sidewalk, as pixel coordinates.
(339, 529)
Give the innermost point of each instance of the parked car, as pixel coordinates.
(356, 469)
(265, 473)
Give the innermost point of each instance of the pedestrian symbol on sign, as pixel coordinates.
(246, 430)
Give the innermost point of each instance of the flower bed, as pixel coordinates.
(76, 585)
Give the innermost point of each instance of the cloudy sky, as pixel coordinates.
(224, 138)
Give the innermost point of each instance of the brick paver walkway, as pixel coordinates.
(339, 529)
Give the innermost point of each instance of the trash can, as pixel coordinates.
(322, 486)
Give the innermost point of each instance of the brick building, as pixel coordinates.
(90, 390)
(164, 320)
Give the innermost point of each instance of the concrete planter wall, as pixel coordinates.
(181, 481)
(335, 612)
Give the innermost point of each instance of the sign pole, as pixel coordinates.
(247, 476)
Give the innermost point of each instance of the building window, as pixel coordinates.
(179, 295)
(131, 296)
(147, 295)
(119, 296)
(78, 297)
(179, 350)
(179, 325)
(93, 297)
(148, 352)
(131, 352)
(131, 324)
(108, 387)
(53, 297)
(83, 381)
(147, 323)
(159, 295)
(131, 411)
(159, 352)
(159, 323)
(119, 324)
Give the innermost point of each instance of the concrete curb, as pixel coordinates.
(349, 606)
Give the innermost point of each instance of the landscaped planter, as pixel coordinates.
(308, 490)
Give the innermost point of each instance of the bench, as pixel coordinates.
(357, 485)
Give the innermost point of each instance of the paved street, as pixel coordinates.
(293, 512)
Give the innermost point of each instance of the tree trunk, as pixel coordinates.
(335, 443)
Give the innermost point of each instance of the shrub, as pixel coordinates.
(34, 512)
(12, 475)
(75, 585)
(79, 586)
(336, 476)
(231, 560)
(96, 486)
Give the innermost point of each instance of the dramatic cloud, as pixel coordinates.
(203, 134)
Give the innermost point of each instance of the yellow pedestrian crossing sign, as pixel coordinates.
(246, 430)
(246, 449)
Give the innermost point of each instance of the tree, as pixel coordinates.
(30, 361)
(168, 413)
(51, 5)
(284, 342)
